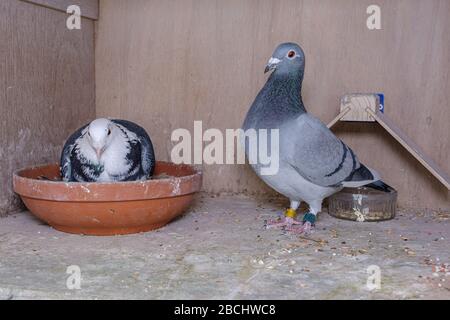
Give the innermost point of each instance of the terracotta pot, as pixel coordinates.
(108, 208)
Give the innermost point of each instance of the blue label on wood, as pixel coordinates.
(381, 107)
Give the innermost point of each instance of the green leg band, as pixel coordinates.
(309, 217)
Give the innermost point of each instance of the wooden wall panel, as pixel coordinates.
(46, 87)
(165, 64)
(89, 8)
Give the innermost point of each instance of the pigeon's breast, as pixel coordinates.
(286, 180)
(292, 185)
(115, 161)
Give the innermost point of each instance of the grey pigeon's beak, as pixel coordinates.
(272, 64)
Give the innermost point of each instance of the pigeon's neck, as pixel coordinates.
(286, 91)
(279, 101)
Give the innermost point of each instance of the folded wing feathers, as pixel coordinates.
(323, 159)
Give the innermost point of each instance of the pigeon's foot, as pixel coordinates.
(286, 222)
(306, 228)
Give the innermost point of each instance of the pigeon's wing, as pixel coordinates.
(147, 152)
(66, 155)
(319, 156)
(147, 156)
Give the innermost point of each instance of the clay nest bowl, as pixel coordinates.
(108, 208)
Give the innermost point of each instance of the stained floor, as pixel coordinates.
(220, 250)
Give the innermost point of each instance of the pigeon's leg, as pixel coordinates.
(309, 219)
(289, 217)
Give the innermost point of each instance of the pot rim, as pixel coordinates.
(98, 191)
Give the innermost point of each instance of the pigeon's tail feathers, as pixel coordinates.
(361, 177)
(375, 174)
(380, 185)
(367, 177)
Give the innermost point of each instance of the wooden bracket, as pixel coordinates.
(352, 109)
(339, 117)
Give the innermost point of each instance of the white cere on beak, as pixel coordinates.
(273, 61)
(271, 65)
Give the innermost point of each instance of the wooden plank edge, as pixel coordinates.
(338, 117)
(88, 14)
(412, 148)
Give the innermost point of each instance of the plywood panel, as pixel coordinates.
(89, 8)
(46, 87)
(167, 63)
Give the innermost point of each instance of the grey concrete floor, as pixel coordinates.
(219, 250)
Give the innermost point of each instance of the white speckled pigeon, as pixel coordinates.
(108, 150)
(313, 162)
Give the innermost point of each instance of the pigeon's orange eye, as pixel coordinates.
(291, 54)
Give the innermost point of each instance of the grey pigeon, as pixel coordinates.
(313, 162)
(108, 150)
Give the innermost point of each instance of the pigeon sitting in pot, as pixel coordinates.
(106, 151)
